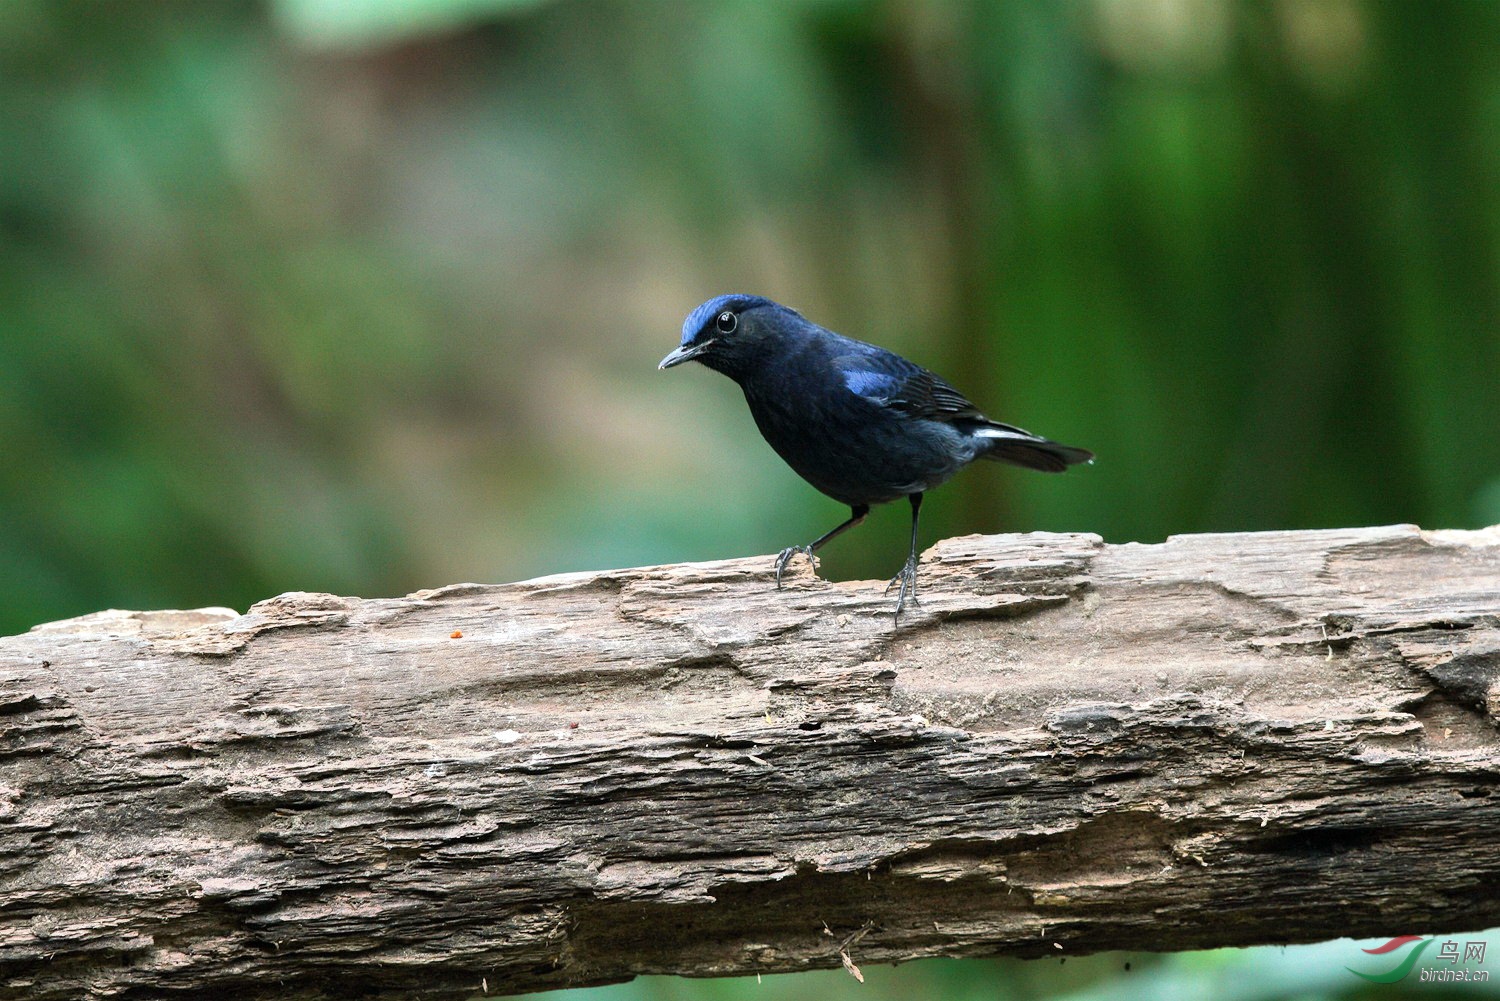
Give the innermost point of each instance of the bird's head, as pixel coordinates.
(728, 333)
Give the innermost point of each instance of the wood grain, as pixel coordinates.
(1068, 746)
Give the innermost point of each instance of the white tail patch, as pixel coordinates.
(1008, 435)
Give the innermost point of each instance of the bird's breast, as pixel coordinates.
(854, 449)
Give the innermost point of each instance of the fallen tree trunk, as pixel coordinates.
(1220, 740)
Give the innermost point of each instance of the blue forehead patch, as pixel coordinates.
(699, 318)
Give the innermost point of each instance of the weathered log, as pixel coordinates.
(1219, 740)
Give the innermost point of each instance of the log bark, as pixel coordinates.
(1067, 747)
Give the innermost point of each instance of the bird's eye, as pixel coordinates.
(726, 322)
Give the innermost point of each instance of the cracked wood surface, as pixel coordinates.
(1219, 740)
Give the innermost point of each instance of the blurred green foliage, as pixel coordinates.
(366, 295)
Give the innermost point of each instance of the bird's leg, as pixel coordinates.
(907, 578)
(856, 515)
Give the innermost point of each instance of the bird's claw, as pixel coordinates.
(907, 578)
(786, 557)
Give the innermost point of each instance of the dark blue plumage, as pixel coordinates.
(861, 424)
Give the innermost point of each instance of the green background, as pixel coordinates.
(367, 295)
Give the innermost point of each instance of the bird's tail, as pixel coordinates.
(1022, 448)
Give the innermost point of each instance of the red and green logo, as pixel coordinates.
(1401, 969)
(1448, 953)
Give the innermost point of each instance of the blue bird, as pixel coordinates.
(861, 424)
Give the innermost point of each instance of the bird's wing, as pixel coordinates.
(894, 382)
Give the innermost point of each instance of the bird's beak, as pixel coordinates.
(685, 353)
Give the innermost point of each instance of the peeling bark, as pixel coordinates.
(1220, 740)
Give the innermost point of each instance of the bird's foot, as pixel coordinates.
(907, 579)
(786, 557)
